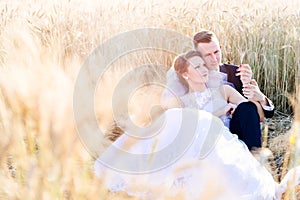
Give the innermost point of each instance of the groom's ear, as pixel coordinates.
(220, 46)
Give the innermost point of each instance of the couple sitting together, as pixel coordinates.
(202, 82)
(187, 150)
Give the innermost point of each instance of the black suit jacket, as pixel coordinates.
(230, 70)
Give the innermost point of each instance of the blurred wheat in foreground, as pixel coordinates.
(44, 44)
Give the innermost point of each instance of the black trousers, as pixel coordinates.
(246, 124)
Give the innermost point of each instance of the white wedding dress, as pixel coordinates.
(190, 151)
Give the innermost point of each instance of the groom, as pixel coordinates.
(245, 118)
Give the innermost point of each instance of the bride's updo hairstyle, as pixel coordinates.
(181, 65)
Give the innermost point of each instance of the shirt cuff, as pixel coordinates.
(269, 107)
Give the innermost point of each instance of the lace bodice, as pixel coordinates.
(211, 100)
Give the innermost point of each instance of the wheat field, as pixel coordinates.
(43, 45)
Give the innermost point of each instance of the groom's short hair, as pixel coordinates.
(204, 36)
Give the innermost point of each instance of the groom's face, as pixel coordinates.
(211, 54)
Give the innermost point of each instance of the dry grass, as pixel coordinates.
(43, 45)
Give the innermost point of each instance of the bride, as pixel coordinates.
(185, 153)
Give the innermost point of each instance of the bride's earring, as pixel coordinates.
(185, 77)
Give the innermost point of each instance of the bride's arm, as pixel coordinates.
(233, 96)
(228, 109)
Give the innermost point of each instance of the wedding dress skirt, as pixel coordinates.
(186, 151)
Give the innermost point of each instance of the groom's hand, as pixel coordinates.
(252, 92)
(245, 72)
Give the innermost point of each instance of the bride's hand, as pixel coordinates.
(229, 109)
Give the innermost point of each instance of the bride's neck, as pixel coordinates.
(197, 87)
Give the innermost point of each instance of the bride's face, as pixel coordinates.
(197, 72)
